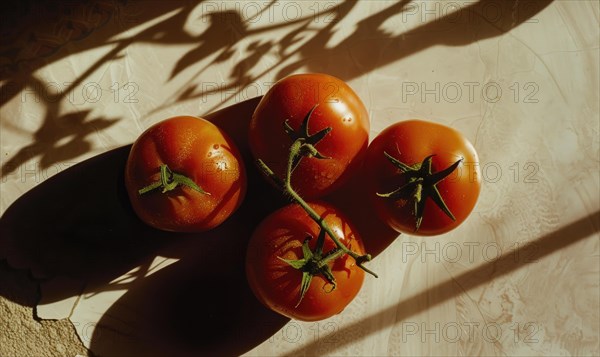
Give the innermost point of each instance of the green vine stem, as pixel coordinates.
(313, 262)
(286, 186)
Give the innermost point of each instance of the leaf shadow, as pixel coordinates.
(369, 47)
(49, 32)
(302, 44)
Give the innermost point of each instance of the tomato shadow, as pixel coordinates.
(76, 221)
(79, 224)
(202, 304)
(197, 306)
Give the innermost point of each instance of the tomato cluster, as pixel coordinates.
(309, 135)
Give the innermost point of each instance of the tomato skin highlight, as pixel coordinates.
(199, 150)
(277, 285)
(339, 108)
(411, 141)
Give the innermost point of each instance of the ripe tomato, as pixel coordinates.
(338, 107)
(453, 177)
(278, 285)
(172, 163)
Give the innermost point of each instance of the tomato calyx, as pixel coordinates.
(286, 187)
(307, 149)
(169, 180)
(314, 263)
(421, 184)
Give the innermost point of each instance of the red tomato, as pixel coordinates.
(454, 177)
(277, 284)
(191, 148)
(338, 107)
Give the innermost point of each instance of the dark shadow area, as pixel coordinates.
(84, 228)
(17, 286)
(505, 264)
(197, 306)
(76, 221)
(40, 32)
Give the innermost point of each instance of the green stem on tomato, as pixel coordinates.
(169, 180)
(421, 184)
(312, 263)
(286, 186)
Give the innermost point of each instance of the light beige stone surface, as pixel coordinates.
(519, 78)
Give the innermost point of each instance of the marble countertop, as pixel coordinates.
(519, 78)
